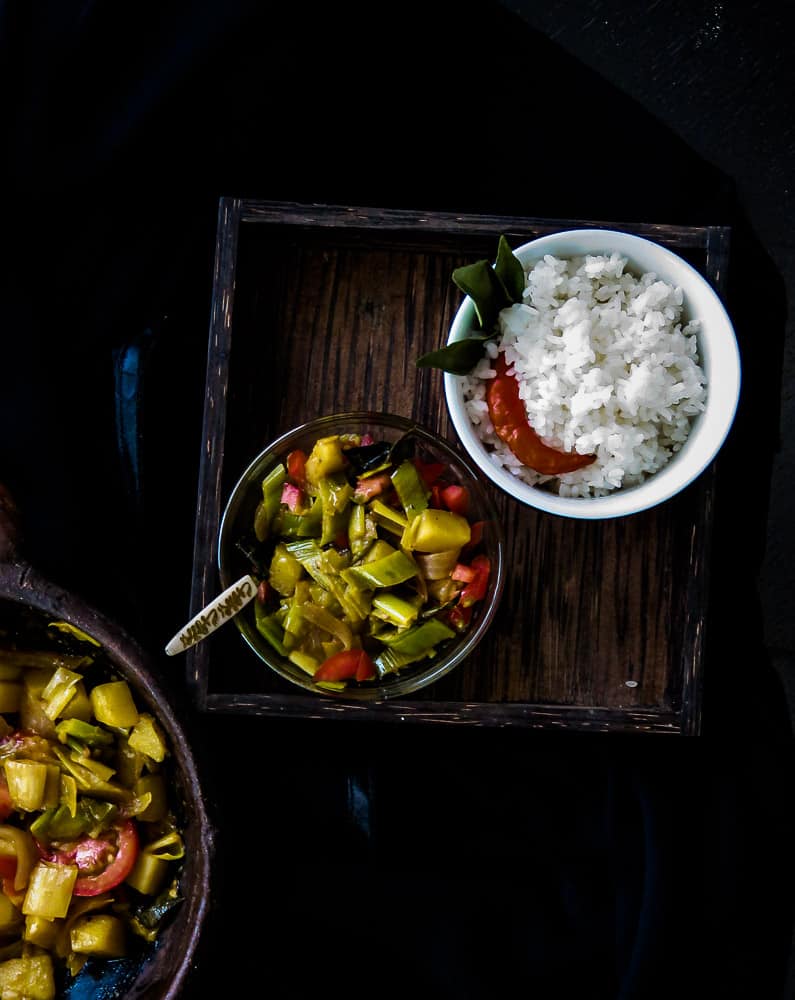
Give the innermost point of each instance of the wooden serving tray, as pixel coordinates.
(319, 309)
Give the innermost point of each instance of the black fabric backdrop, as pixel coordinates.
(351, 857)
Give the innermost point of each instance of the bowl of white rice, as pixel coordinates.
(624, 359)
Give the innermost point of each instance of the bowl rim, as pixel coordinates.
(710, 429)
(471, 638)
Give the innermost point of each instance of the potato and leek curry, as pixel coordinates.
(367, 559)
(89, 841)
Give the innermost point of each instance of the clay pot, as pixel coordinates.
(167, 965)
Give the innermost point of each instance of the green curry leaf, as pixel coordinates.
(458, 358)
(509, 270)
(483, 285)
(492, 288)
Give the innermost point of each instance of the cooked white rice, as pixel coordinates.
(606, 365)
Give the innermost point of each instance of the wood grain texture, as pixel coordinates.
(326, 309)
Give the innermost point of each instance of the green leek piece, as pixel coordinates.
(303, 524)
(28, 976)
(169, 847)
(148, 738)
(386, 572)
(40, 931)
(92, 736)
(52, 785)
(410, 488)
(269, 504)
(50, 890)
(77, 633)
(68, 826)
(138, 804)
(320, 566)
(88, 782)
(294, 622)
(332, 685)
(436, 531)
(362, 530)
(269, 628)
(336, 491)
(329, 623)
(411, 645)
(68, 793)
(9, 671)
(285, 570)
(113, 705)
(79, 705)
(27, 781)
(61, 677)
(59, 691)
(379, 550)
(153, 785)
(18, 842)
(98, 934)
(148, 874)
(319, 595)
(335, 524)
(395, 610)
(438, 565)
(337, 560)
(91, 816)
(129, 764)
(304, 661)
(390, 662)
(97, 767)
(335, 494)
(389, 518)
(99, 815)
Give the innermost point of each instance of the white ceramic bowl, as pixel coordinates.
(718, 355)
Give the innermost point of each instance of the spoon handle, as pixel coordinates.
(223, 607)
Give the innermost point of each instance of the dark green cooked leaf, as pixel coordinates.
(458, 358)
(509, 270)
(481, 283)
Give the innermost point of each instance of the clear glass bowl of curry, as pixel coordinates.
(378, 553)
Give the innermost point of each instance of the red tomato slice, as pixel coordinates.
(429, 471)
(103, 863)
(296, 467)
(463, 573)
(117, 870)
(347, 664)
(456, 499)
(476, 589)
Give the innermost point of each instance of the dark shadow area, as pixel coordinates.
(368, 860)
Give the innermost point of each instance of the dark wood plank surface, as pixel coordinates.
(320, 310)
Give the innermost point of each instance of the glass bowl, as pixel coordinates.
(718, 354)
(237, 537)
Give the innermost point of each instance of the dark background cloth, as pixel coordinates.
(462, 863)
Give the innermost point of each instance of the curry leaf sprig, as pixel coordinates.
(491, 288)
